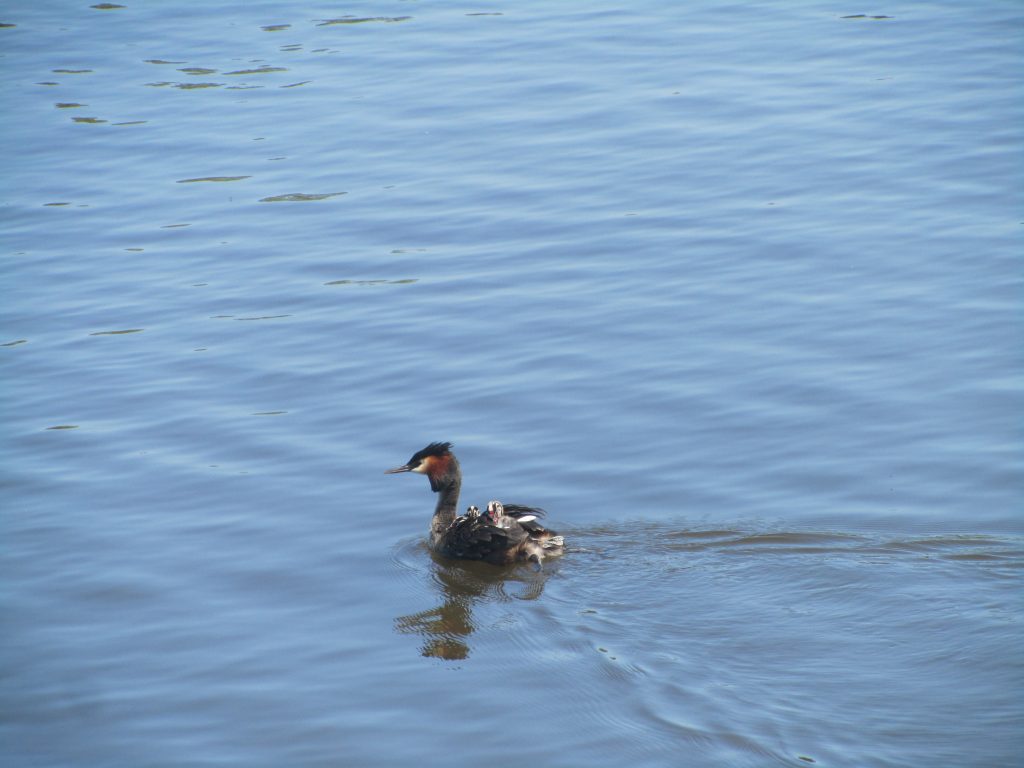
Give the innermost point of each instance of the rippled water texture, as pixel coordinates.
(732, 290)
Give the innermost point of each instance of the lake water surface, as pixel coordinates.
(733, 290)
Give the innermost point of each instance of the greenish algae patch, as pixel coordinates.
(257, 71)
(406, 281)
(212, 178)
(363, 20)
(299, 197)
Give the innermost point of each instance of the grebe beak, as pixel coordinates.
(396, 470)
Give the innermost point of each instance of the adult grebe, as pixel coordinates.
(507, 533)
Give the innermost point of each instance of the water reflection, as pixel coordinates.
(446, 628)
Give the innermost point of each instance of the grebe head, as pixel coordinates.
(495, 511)
(436, 461)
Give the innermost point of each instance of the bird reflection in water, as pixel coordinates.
(462, 584)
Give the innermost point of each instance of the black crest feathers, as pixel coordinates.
(434, 449)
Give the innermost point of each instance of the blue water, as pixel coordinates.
(732, 290)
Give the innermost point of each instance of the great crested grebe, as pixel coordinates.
(506, 533)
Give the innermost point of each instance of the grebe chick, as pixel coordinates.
(505, 517)
(506, 533)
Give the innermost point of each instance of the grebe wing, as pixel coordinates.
(520, 510)
(532, 526)
(475, 538)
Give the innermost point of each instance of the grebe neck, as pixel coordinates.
(447, 503)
